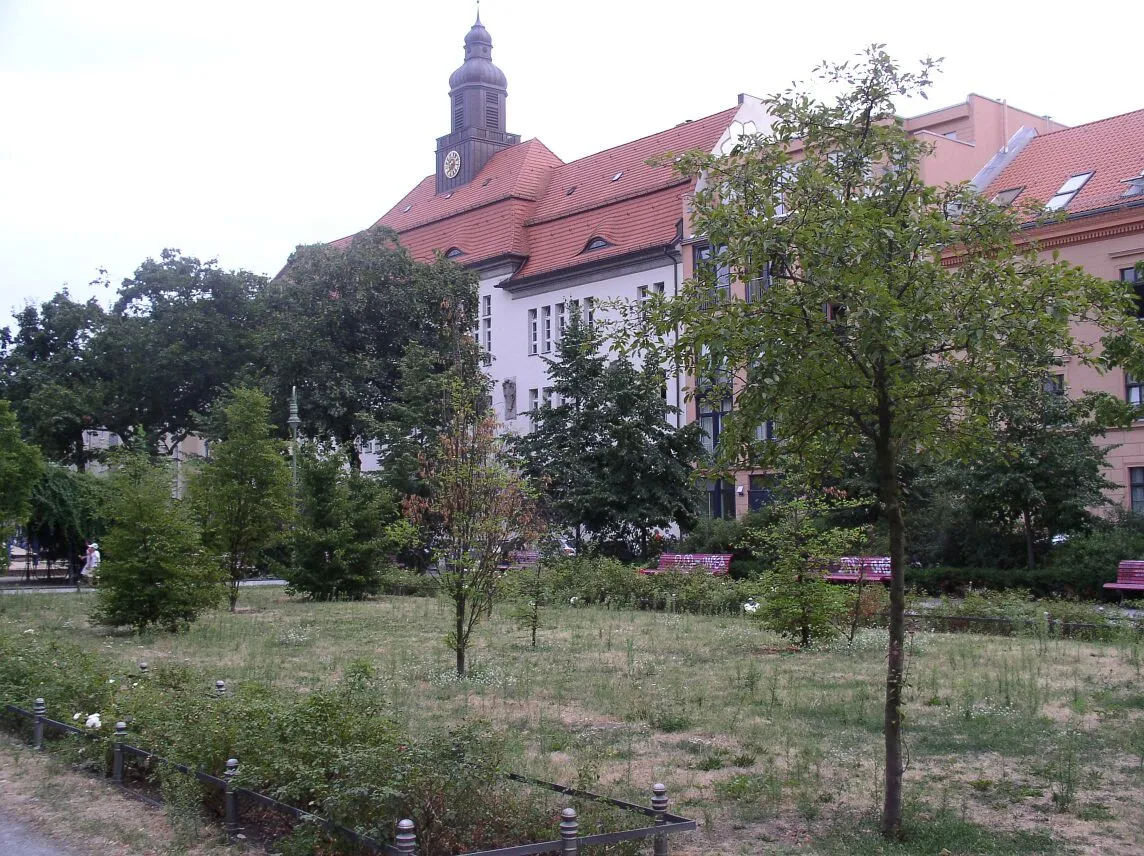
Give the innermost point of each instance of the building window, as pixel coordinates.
(1055, 384)
(757, 286)
(765, 433)
(1136, 486)
(561, 320)
(492, 111)
(533, 332)
(1134, 390)
(596, 243)
(1129, 276)
(590, 312)
(533, 404)
(1006, 197)
(719, 500)
(1068, 190)
(708, 260)
(487, 324)
(761, 492)
(454, 252)
(546, 328)
(549, 396)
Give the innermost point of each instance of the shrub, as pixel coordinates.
(154, 571)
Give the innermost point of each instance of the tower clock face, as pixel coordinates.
(452, 163)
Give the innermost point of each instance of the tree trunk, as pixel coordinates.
(895, 660)
(1030, 553)
(354, 457)
(460, 630)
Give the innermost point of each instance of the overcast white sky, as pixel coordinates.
(240, 129)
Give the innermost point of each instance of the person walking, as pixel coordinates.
(91, 563)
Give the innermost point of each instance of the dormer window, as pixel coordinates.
(1068, 190)
(570, 190)
(453, 252)
(1135, 186)
(405, 210)
(1006, 197)
(618, 175)
(597, 243)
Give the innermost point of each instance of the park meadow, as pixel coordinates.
(1023, 744)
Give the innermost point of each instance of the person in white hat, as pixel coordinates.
(91, 562)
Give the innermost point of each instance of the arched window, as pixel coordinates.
(453, 252)
(597, 243)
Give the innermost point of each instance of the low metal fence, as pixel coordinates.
(662, 823)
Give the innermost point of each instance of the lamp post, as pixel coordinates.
(294, 422)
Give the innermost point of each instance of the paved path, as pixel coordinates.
(16, 839)
(85, 589)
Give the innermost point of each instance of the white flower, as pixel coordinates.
(574, 600)
(76, 717)
(29, 630)
(111, 680)
(93, 721)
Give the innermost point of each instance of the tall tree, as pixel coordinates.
(242, 493)
(47, 372)
(20, 467)
(179, 333)
(479, 506)
(604, 456)
(890, 316)
(338, 321)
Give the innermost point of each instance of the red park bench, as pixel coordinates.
(1129, 576)
(518, 559)
(716, 564)
(851, 569)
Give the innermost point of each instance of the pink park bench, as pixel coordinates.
(851, 569)
(1129, 576)
(716, 564)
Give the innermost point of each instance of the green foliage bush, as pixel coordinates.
(349, 525)
(395, 580)
(336, 752)
(154, 571)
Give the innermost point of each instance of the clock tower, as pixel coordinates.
(477, 93)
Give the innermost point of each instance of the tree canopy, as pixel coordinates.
(885, 314)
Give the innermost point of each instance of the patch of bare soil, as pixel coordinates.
(87, 814)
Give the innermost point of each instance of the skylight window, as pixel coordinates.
(597, 243)
(405, 210)
(485, 183)
(1135, 185)
(1068, 190)
(1006, 197)
(570, 190)
(616, 177)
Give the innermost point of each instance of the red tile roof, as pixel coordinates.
(1113, 149)
(520, 203)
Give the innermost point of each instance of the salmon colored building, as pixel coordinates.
(1094, 175)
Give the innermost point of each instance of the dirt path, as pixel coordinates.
(15, 838)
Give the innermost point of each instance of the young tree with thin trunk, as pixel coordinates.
(242, 493)
(478, 505)
(886, 316)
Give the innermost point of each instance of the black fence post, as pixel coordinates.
(406, 841)
(659, 805)
(117, 753)
(40, 709)
(230, 798)
(569, 833)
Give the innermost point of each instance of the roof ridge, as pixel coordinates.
(1086, 124)
(649, 136)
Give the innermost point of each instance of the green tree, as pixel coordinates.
(1042, 472)
(179, 333)
(605, 457)
(20, 467)
(349, 526)
(799, 602)
(67, 509)
(479, 506)
(47, 372)
(887, 316)
(338, 321)
(154, 570)
(242, 492)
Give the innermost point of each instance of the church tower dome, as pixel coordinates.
(477, 94)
